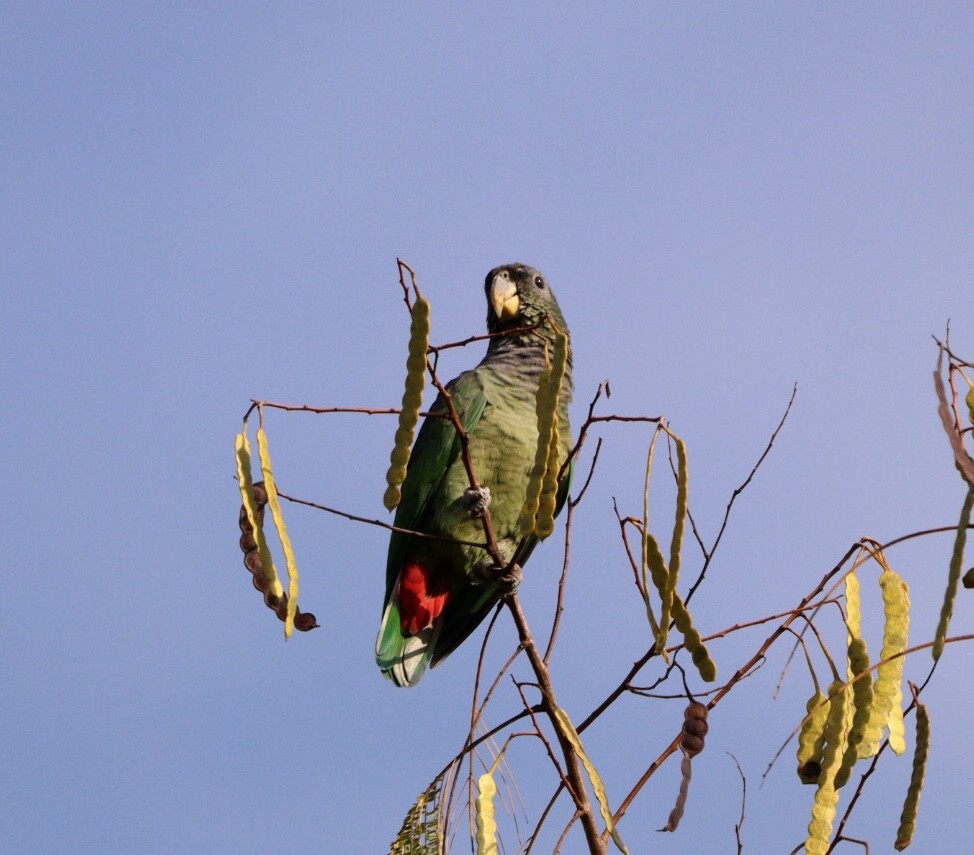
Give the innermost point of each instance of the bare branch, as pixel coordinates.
(709, 554)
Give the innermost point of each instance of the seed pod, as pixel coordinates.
(538, 512)
(412, 400)
(826, 796)
(253, 496)
(835, 731)
(278, 515)
(486, 825)
(673, 821)
(887, 689)
(862, 699)
(811, 739)
(658, 570)
(668, 591)
(548, 399)
(853, 604)
(544, 523)
(953, 575)
(568, 731)
(305, 621)
(695, 728)
(692, 641)
(908, 817)
(253, 563)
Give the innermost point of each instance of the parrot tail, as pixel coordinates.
(403, 658)
(410, 625)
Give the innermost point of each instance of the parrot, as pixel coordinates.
(439, 588)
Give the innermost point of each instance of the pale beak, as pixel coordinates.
(503, 298)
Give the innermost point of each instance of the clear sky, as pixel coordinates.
(203, 203)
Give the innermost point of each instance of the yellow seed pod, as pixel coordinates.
(887, 689)
(275, 505)
(682, 490)
(823, 815)
(267, 570)
(969, 400)
(668, 591)
(908, 817)
(419, 327)
(862, 700)
(853, 601)
(653, 561)
(486, 824)
(953, 575)
(826, 796)
(568, 731)
(544, 523)
(835, 730)
(811, 738)
(538, 512)
(548, 399)
(412, 401)
(897, 730)
(691, 639)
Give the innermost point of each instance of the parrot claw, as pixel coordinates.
(477, 501)
(505, 582)
(508, 582)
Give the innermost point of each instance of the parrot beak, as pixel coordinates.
(503, 297)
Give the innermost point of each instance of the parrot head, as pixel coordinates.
(519, 296)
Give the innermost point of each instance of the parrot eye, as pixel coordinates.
(539, 281)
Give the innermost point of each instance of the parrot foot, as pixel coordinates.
(507, 583)
(477, 501)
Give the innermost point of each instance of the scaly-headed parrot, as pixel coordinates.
(439, 589)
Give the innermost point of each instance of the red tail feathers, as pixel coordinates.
(422, 598)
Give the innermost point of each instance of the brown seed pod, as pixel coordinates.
(304, 621)
(278, 603)
(252, 562)
(695, 728)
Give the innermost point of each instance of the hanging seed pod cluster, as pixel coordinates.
(848, 723)
(253, 542)
(664, 577)
(268, 584)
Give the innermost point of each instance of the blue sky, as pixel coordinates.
(203, 203)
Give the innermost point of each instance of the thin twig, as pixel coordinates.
(709, 554)
(562, 584)
(375, 522)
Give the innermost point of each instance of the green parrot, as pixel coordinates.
(439, 588)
